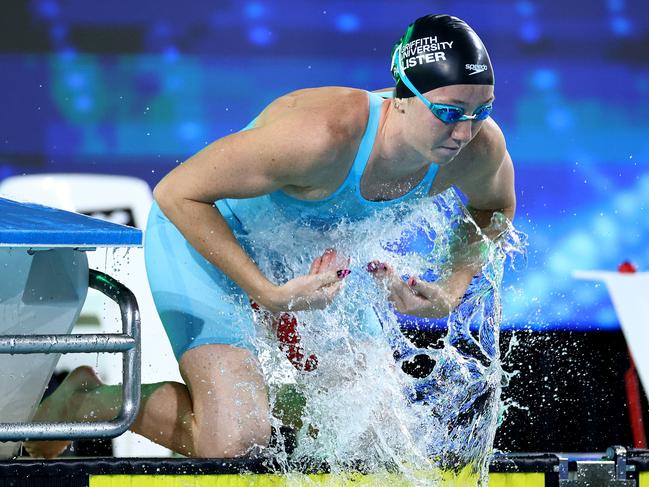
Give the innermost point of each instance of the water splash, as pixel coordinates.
(358, 409)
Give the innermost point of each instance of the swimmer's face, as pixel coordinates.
(440, 142)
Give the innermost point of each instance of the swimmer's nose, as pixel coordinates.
(462, 132)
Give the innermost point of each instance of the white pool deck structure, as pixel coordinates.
(43, 286)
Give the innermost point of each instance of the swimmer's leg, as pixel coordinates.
(222, 412)
(230, 400)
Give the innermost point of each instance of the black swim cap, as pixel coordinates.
(440, 50)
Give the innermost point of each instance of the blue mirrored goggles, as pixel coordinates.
(452, 114)
(446, 113)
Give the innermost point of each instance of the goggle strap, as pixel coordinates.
(405, 79)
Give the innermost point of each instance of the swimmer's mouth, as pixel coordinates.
(450, 148)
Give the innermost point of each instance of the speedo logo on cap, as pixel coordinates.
(476, 68)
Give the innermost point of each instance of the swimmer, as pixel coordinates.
(316, 156)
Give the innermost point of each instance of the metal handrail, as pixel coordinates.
(127, 343)
(86, 343)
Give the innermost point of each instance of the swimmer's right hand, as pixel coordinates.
(316, 290)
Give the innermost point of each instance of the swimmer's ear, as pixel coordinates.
(397, 103)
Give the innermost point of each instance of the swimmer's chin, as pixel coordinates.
(442, 156)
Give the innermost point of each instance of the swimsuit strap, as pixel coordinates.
(364, 149)
(427, 182)
(367, 142)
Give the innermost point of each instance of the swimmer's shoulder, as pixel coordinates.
(330, 120)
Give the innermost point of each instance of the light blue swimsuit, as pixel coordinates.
(197, 303)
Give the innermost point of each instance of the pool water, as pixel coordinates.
(358, 408)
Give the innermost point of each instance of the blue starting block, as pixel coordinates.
(45, 282)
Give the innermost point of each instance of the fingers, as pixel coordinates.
(385, 274)
(333, 260)
(398, 290)
(330, 260)
(324, 262)
(376, 267)
(330, 266)
(331, 277)
(380, 270)
(318, 299)
(329, 285)
(315, 265)
(426, 289)
(399, 303)
(329, 292)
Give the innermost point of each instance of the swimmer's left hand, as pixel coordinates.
(414, 297)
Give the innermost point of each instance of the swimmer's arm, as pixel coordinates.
(438, 299)
(242, 165)
(495, 193)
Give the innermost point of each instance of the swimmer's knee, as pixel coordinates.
(234, 444)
